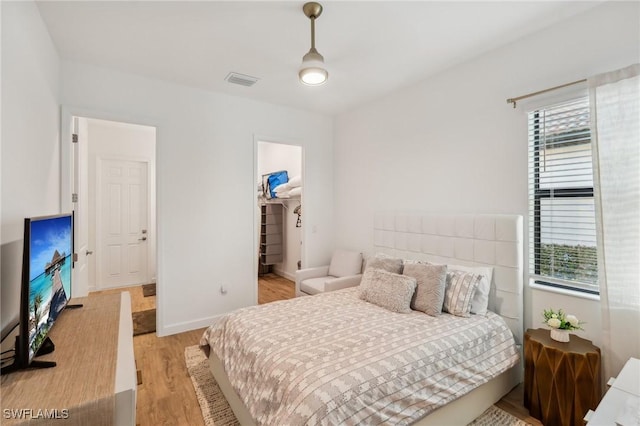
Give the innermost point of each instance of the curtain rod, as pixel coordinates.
(529, 95)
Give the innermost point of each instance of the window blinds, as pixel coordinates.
(562, 240)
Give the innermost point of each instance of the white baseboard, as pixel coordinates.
(285, 274)
(181, 327)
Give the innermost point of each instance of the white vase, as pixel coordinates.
(560, 335)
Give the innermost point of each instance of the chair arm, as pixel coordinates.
(304, 274)
(343, 282)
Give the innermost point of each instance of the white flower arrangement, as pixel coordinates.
(561, 321)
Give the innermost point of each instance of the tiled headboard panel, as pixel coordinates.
(471, 240)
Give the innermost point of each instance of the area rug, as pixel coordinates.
(149, 289)
(144, 322)
(215, 408)
(217, 412)
(497, 416)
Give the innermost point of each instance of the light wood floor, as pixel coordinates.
(166, 395)
(272, 287)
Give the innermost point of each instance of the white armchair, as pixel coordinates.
(345, 270)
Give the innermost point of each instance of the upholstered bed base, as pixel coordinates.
(469, 240)
(459, 412)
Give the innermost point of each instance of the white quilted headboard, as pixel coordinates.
(470, 240)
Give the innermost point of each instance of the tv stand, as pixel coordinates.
(46, 348)
(95, 376)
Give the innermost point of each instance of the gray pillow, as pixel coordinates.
(459, 292)
(389, 264)
(387, 290)
(430, 285)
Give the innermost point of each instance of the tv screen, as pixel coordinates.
(47, 263)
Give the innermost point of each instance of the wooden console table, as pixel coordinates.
(561, 380)
(94, 381)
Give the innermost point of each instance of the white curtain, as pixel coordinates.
(615, 112)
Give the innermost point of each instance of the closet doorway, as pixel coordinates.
(279, 207)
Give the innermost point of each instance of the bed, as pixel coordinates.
(336, 359)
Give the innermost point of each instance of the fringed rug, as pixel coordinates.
(217, 412)
(215, 408)
(496, 416)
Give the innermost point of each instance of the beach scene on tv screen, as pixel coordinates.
(49, 275)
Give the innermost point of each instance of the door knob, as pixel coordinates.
(142, 239)
(88, 252)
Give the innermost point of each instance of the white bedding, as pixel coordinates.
(335, 359)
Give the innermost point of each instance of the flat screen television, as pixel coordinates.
(46, 286)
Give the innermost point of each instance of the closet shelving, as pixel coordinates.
(271, 233)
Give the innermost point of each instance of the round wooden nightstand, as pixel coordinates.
(561, 380)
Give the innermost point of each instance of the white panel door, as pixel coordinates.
(122, 223)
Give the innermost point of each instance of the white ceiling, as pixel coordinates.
(370, 48)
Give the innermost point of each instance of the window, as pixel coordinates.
(562, 231)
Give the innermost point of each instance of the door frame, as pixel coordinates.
(67, 112)
(98, 191)
(256, 223)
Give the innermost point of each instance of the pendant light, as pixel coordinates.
(312, 71)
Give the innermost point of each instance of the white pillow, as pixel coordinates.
(295, 191)
(345, 263)
(480, 300)
(283, 187)
(295, 181)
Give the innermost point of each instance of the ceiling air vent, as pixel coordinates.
(241, 79)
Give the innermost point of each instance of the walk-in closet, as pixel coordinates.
(279, 206)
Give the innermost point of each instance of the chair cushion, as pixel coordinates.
(345, 263)
(314, 285)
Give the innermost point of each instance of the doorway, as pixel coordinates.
(279, 252)
(114, 204)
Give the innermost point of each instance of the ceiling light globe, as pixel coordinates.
(313, 76)
(312, 71)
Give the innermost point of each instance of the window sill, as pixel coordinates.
(564, 291)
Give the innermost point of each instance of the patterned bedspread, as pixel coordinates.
(335, 359)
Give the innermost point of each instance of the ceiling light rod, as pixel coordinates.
(313, 10)
(312, 71)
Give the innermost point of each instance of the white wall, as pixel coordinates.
(272, 157)
(205, 184)
(452, 144)
(113, 140)
(30, 127)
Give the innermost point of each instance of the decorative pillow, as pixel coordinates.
(430, 285)
(387, 290)
(461, 286)
(480, 301)
(389, 264)
(345, 263)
